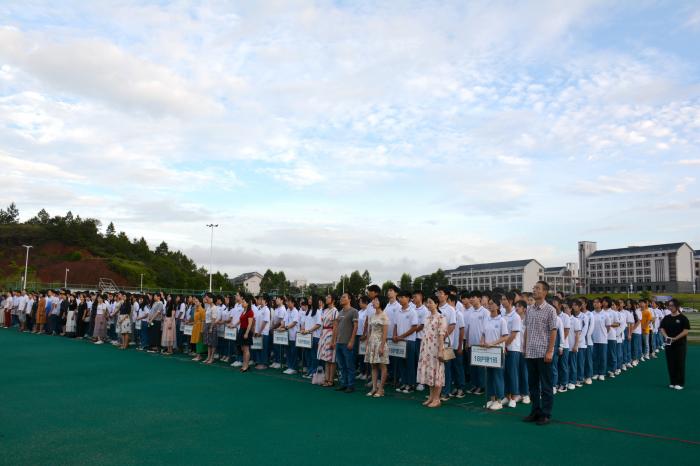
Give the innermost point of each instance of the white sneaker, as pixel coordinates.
(290, 372)
(489, 403)
(420, 387)
(624, 367)
(589, 381)
(275, 365)
(601, 378)
(505, 400)
(496, 405)
(671, 386)
(237, 364)
(517, 398)
(595, 377)
(571, 386)
(512, 404)
(634, 363)
(618, 372)
(99, 342)
(678, 387)
(554, 390)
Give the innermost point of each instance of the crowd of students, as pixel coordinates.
(352, 337)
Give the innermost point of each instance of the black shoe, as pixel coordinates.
(349, 389)
(531, 418)
(543, 421)
(340, 388)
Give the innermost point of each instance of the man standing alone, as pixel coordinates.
(345, 332)
(540, 335)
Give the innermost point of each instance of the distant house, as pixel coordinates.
(250, 281)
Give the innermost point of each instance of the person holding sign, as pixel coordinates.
(540, 335)
(494, 334)
(405, 328)
(290, 325)
(312, 325)
(262, 329)
(674, 329)
(431, 367)
(377, 354)
(245, 331)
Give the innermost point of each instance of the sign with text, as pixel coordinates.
(188, 329)
(257, 343)
(221, 331)
(363, 347)
(397, 350)
(487, 357)
(304, 341)
(230, 333)
(281, 338)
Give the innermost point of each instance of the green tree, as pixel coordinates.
(111, 231)
(356, 284)
(10, 215)
(162, 249)
(406, 282)
(367, 278)
(418, 283)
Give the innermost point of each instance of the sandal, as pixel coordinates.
(371, 393)
(379, 394)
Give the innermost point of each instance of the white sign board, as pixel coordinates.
(304, 341)
(257, 343)
(397, 350)
(230, 333)
(281, 338)
(487, 357)
(363, 347)
(188, 329)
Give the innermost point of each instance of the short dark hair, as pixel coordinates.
(544, 284)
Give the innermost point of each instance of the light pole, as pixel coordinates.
(65, 279)
(211, 252)
(26, 265)
(141, 283)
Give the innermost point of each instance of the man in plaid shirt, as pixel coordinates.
(540, 335)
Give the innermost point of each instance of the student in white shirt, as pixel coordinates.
(494, 334)
(364, 368)
(405, 328)
(450, 315)
(591, 321)
(560, 361)
(513, 348)
(474, 327)
(291, 325)
(210, 333)
(573, 343)
(262, 330)
(277, 321)
(312, 325)
(99, 332)
(611, 308)
(392, 308)
(421, 312)
(602, 324)
(582, 345)
(636, 333)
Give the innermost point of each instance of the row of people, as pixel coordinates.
(593, 339)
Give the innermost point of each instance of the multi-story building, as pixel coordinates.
(520, 274)
(563, 279)
(250, 281)
(659, 267)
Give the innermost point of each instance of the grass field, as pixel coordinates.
(69, 402)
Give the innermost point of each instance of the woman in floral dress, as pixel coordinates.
(326, 343)
(377, 353)
(431, 369)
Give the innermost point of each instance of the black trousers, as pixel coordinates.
(541, 389)
(675, 361)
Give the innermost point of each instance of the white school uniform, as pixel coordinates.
(638, 329)
(391, 310)
(612, 333)
(560, 332)
(600, 333)
(582, 337)
(591, 327)
(405, 319)
(565, 325)
(450, 316)
(621, 319)
(575, 326)
(514, 325)
(319, 321)
(494, 328)
(292, 316)
(278, 317)
(362, 317)
(475, 325)
(262, 321)
(421, 312)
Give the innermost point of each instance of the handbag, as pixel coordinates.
(319, 377)
(448, 353)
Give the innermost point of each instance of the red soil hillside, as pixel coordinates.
(49, 261)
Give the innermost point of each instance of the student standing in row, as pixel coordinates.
(674, 329)
(431, 366)
(344, 341)
(494, 334)
(377, 353)
(326, 344)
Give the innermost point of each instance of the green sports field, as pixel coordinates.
(67, 402)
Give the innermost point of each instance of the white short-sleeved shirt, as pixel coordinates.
(600, 333)
(620, 331)
(101, 309)
(515, 324)
(262, 321)
(475, 325)
(450, 316)
(582, 337)
(575, 326)
(494, 328)
(319, 321)
(309, 321)
(405, 319)
(211, 314)
(279, 314)
(591, 327)
(638, 329)
(292, 315)
(422, 312)
(362, 317)
(563, 342)
(612, 316)
(459, 324)
(390, 310)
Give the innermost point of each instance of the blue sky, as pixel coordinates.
(331, 136)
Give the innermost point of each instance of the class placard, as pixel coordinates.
(281, 338)
(257, 343)
(230, 333)
(397, 350)
(221, 331)
(188, 329)
(362, 349)
(304, 341)
(487, 357)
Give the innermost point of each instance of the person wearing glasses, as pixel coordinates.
(674, 329)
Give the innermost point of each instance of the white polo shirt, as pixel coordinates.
(575, 326)
(475, 325)
(494, 328)
(450, 316)
(600, 333)
(421, 312)
(391, 310)
(263, 320)
(405, 319)
(292, 315)
(582, 338)
(637, 330)
(515, 324)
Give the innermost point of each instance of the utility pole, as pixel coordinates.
(26, 265)
(211, 252)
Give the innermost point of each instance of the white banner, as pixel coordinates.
(230, 333)
(304, 341)
(281, 338)
(397, 350)
(487, 357)
(188, 329)
(257, 343)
